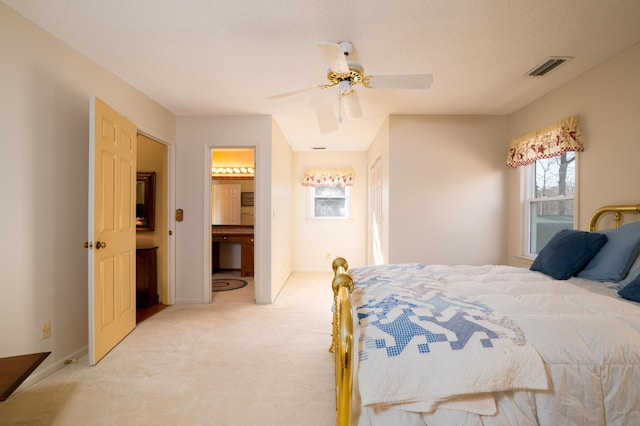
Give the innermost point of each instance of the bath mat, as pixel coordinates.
(226, 284)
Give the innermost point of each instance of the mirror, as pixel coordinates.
(145, 201)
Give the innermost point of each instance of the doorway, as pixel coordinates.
(153, 158)
(232, 213)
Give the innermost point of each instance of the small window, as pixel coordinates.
(329, 202)
(550, 185)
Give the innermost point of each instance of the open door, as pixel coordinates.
(112, 229)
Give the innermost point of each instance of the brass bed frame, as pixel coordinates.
(342, 344)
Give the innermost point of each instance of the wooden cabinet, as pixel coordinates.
(146, 277)
(246, 268)
(239, 234)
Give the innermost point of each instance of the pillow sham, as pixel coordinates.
(632, 290)
(634, 271)
(567, 252)
(613, 261)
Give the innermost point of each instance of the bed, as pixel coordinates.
(557, 343)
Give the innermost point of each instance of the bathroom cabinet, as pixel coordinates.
(146, 277)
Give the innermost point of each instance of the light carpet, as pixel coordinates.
(228, 363)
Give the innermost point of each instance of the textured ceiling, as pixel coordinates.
(212, 57)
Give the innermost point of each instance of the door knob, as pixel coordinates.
(100, 245)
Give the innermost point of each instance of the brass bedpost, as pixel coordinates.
(340, 267)
(342, 340)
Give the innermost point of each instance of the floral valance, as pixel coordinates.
(548, 142)
(328, 177)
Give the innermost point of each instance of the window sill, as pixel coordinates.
(329, 219)
(523, 261)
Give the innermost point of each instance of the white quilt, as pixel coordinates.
(424, 346)
(589, 344)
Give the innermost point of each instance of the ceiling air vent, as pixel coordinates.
(549, 64)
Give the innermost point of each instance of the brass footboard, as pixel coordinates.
(342, 340)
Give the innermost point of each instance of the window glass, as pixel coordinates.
(551, 186)
(330, 202)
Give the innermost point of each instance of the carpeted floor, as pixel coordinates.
(228, 363)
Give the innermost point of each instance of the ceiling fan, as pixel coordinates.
(346, 75)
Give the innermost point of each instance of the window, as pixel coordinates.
(550, 187)
(329, 202)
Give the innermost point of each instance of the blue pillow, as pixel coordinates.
(632, 290)
(567, 252)
(613, 261)
(634, 271)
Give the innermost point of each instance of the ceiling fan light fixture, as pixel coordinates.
(350, 104)
(345, 87)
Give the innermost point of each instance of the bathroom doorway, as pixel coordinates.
(232, 213)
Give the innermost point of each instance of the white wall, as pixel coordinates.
(318, 242)
(44, 117)
(447, 189)
(196, 136)
(607, 101)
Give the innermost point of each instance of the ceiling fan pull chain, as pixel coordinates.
(339, 108)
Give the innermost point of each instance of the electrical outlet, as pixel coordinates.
(45, 331)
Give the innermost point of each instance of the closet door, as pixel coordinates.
(375, 213)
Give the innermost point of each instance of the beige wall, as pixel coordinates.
(44, 115)
(318, 242)
(447, 189)
(607, 101)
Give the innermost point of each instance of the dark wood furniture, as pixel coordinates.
(238, 234)
(15, 369)
(146, 277)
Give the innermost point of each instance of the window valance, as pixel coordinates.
(548, 142)
(328, 177)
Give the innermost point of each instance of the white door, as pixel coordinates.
(225, 208)
(112, 230)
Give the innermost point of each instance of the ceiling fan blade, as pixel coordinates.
(325, 115)
(301, 91)
(333, 56)
(399, 82)
(351, 105)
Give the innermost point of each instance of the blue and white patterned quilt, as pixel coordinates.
(424, 347)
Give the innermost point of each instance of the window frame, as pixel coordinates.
(312, 204)
(528, 197)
